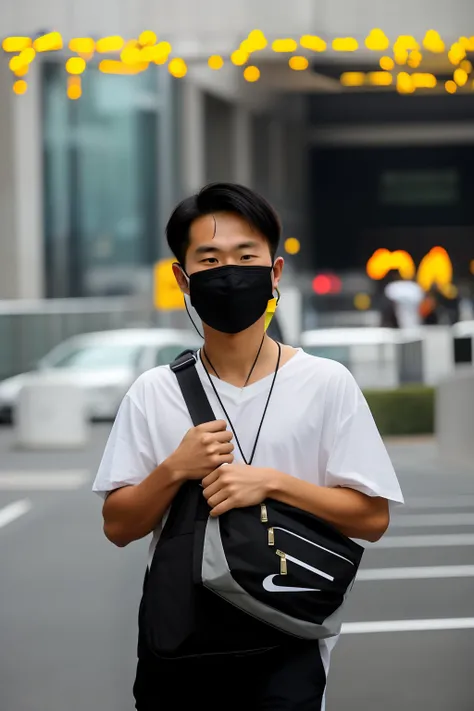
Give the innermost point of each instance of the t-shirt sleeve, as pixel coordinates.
(128, 456)
(357, 457)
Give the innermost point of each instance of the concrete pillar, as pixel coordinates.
(193, 138)
(242, 142)
(21, 219)
(277, 161)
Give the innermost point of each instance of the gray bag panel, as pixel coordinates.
(217, 577)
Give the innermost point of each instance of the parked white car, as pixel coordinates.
(105, 364)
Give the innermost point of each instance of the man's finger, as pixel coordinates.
(213, 426)
(217, 499)
(221, 508)
(211, 478)
(212, 489)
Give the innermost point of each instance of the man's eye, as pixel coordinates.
(246, 257)
(209, 260)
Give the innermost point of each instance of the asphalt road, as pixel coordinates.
(68, 599)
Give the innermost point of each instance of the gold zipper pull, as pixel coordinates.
(271, 537)
(263, 513)
(283, 565)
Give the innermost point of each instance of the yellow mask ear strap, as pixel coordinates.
(271, 308)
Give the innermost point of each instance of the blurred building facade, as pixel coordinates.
(86, 186)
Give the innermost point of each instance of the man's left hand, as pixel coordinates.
(233, 486)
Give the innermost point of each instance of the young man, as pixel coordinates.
(292, 427)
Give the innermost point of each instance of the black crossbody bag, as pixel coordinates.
(252, 579)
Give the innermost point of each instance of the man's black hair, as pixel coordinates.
(222, 197)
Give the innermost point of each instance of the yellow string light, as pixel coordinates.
(82, 45)
(257, 41)
(424, 80)
(377, 41)
(114, 43)
(251, 74)
(20, 87)
(147, 38)
(314, 43)
(457, 53)
(451, 87)
(284, 45)
(74, 89)
(75, 65)
(114, 66)
(405, 83)
(345, 44)
(352, 79)
(177, 68)
(380, 78)
(298, 64)
(50, 42)
(387, 64)
(460, 77)
(239, 57)
(16, 44)
(215, 62)
(433, 42)
(414, 59)
(292, 245)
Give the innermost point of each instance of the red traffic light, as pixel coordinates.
(326, 284)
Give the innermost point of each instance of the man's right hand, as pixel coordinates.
(202, 450)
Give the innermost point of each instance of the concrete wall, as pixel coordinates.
(213, 24)
(455, 417)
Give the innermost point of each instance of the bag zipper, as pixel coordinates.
(283, 564)
(271, 540)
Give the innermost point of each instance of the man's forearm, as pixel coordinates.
(353, 513)
(133, 512)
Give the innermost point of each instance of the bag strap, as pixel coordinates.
(184, 367)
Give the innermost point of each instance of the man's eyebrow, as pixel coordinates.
(206, 248)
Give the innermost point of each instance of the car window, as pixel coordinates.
(98, 356)
(166, 354)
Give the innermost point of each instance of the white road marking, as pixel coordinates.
(432, 519)
(434, 541)
(13, 511)
(457, 623)
(44, 481)
(414, 573)
(452, 502)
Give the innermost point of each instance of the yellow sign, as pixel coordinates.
(167, 295)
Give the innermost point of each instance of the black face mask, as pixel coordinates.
(231, 298)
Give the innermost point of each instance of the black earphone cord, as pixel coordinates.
(277, 368)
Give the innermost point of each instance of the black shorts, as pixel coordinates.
(283, 679)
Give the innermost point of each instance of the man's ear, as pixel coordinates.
(181, 278)
(277, 271)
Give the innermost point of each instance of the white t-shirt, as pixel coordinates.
(318, 427)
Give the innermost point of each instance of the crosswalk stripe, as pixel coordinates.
(432, 519)
(416, 573)
(433, 502)
(425, 541)
(461, 623)
(44, 481)
(12, 511)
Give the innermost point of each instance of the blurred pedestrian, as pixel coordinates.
(295, 436)
(406, 296)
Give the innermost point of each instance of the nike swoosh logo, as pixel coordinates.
(270, 586)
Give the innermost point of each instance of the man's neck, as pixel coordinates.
(233, 355)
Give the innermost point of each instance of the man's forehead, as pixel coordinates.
(221, 225)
